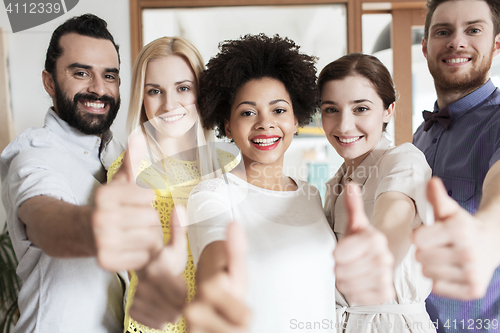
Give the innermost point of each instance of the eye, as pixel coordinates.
(247, 113)
(475, 30)
(154, 91)
(81, 74)
(183, 88)
(329, 110)
(110, 77)
(361, 109)
(442, 33)
(279, 111)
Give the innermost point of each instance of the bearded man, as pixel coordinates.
(49, 176)
(461, 141)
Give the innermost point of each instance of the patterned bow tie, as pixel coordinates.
(443, 116)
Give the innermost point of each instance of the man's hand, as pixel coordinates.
(161, 292)
(126, 227)
(454, 251)
(219, 305)
(363, 261)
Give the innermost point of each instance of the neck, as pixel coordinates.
(182, 148)
(447, 97)
(266, 176)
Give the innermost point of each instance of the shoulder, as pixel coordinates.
(406, 155)
(115, 166)
(33, 144)
(211, 185)
(118, 163)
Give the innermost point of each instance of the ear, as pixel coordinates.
(496, 45)
(48, 83)
(424, 47)
(388, 113)
(296, 124)
(227, 128)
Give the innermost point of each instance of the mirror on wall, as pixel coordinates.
(320, 30)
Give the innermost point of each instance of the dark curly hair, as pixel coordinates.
(254, 57)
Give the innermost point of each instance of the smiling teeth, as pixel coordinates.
(265, 142)
(94, 105)
(349, 140)
(173, 118)
(456, 60)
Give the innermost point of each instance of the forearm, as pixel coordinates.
(60, 229)
(489, 209)
(213, 260)
(393, 214)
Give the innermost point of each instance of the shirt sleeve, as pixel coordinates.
(404, 169)
(25, 177)
(209, 213)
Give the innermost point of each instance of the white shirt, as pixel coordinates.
(290, 261)
(59, 295)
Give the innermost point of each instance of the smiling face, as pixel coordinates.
(85, 85)
(170, 92)
(262, 123)
(461, 45)
(353, 116)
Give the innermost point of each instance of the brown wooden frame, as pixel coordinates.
(405, 15)
(6, 127)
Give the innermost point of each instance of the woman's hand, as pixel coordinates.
(219, 305)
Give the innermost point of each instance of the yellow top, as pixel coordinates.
(184, 175)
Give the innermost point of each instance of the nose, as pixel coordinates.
(97, 86)
(345, 122)
(265, 121)
(457, 41)
(170, 102)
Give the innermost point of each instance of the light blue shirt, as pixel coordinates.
(59, 295)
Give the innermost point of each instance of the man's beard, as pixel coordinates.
(470, 81)
(85, 122)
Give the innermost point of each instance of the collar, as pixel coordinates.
(361, 173)
(71, 134)
(469, 102)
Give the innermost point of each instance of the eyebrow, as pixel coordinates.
(83, 66)
(270, 103)
(356, 101)
(445, 25)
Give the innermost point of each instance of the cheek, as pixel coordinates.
(328, 124)
(150, 106)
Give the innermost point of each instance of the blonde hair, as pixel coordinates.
(160, 48)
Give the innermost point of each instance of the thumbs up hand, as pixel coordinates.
(363, 261)
(161, 291)
(454, 251)
(127, 230)
(219, 305)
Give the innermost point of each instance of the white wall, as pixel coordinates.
(27, 55)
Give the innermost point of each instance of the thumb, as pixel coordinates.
(132, 158)
(236, 251)
(357, 219)
(443, 205)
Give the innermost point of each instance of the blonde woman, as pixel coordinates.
(163, 105)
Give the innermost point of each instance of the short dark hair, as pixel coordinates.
(433, 4)
(255, 57)
(86, 25)
(363, 65)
